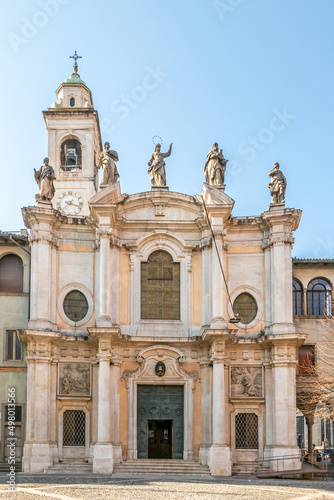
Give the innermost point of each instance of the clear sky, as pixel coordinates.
(254, 75)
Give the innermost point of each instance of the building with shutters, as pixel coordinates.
(131, 354)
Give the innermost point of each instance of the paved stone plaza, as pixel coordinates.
(140, 487)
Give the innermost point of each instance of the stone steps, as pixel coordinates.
(70, 467)
(247, 468)
(5, 467)
(148, 466)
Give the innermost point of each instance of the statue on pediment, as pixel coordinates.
(44, 178)
(277, 184)
(107, 161)
(157, 170)
(215, 166)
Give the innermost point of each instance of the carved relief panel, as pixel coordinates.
(74, 379)
(246, 382)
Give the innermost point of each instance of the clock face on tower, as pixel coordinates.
(69, 203)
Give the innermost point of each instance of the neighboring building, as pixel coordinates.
(14, 305)
(131, 352)
(312, 305)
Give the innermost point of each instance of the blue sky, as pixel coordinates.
(254, 75)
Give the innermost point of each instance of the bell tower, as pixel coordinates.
(74, 145)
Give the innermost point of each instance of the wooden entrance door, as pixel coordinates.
(160, 439)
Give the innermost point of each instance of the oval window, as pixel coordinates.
(72, 102)
(75, 305)
(245, 306)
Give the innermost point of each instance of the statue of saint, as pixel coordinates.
(277, 184)
(157, 170)
(44, 178)
(215, 166)
(109, 169)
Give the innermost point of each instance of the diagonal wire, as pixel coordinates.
(220, 262)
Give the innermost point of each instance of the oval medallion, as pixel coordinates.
(160, 369)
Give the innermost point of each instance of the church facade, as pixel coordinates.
(161, 326)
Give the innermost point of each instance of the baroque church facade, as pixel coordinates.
(161, 326)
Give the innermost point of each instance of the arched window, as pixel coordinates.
(319, 297)
(72, 102)
(70, 155)
(11, 274)
(297, 298)
(160, 287)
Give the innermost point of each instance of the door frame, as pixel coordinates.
(174, 375)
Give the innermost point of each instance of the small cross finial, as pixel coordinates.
(75, 57)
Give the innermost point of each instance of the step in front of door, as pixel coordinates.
(147, 466)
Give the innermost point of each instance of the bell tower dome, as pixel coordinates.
(74, 145)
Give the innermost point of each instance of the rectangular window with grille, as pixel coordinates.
(246, 431)
(13, 347)
(74, 428)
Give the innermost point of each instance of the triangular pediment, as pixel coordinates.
(216, 196)
(109, 195)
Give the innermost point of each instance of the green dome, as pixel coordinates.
(74, 78)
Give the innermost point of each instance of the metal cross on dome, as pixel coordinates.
(75, 57)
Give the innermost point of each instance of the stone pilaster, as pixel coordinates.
(37, 451)
(104, 320)
(220, 453)
(218, 284)
(108, 407)
(280, 223)
(115, 377)
(206, 405)
(280, 376)
(41, 219)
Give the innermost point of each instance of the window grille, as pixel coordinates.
(246, 431)
(74, 427)
(297, 298)
(319, 298)
(160, 287)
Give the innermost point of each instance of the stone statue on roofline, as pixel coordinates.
(277, 184)
(44, 178)
(157, 170)
(107, 161)
(215, 166)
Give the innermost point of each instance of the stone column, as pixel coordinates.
(218, 284)
(103, 450)
(104, 319)
(310, 422)
(206, 405)
(220, 455)
(304, 301)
